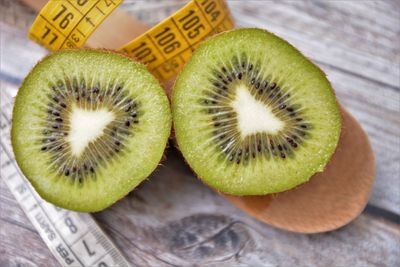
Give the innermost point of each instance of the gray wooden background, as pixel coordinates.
(174, 220)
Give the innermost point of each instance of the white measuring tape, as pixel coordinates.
(74, 238)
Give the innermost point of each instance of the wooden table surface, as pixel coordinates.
(172, 219)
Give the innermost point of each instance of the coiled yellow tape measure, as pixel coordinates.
(164, 49)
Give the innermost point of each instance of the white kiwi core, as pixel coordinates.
(86, 126)
(253, 115)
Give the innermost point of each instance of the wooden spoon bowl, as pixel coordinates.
(331, 198)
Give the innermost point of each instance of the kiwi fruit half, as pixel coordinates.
(88, 126)
(252, 115)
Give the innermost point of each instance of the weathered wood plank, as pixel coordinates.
(378, 111)
(353, 48)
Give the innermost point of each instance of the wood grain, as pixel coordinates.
(172, 219)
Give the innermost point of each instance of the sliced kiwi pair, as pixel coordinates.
(252, 116)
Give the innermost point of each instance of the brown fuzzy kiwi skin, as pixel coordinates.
(163, 157)
(176, 145)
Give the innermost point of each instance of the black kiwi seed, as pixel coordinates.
(264, 84)
(216, 84)
(259, 147)
(127, 108)
(276, 98)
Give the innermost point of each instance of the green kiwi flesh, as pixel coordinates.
(88, 126)
(252, 115)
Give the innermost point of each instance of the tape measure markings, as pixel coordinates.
(181, 33)
(80, 20)
(77, 9)
(37, 23)
(159, 47)
(23, 189)
(190, 47)
(87, 18)
(50, 231)
(205, 16)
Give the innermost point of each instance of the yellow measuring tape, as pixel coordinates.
(69, 23)
(164, 48)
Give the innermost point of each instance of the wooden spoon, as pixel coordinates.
(328, 201)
